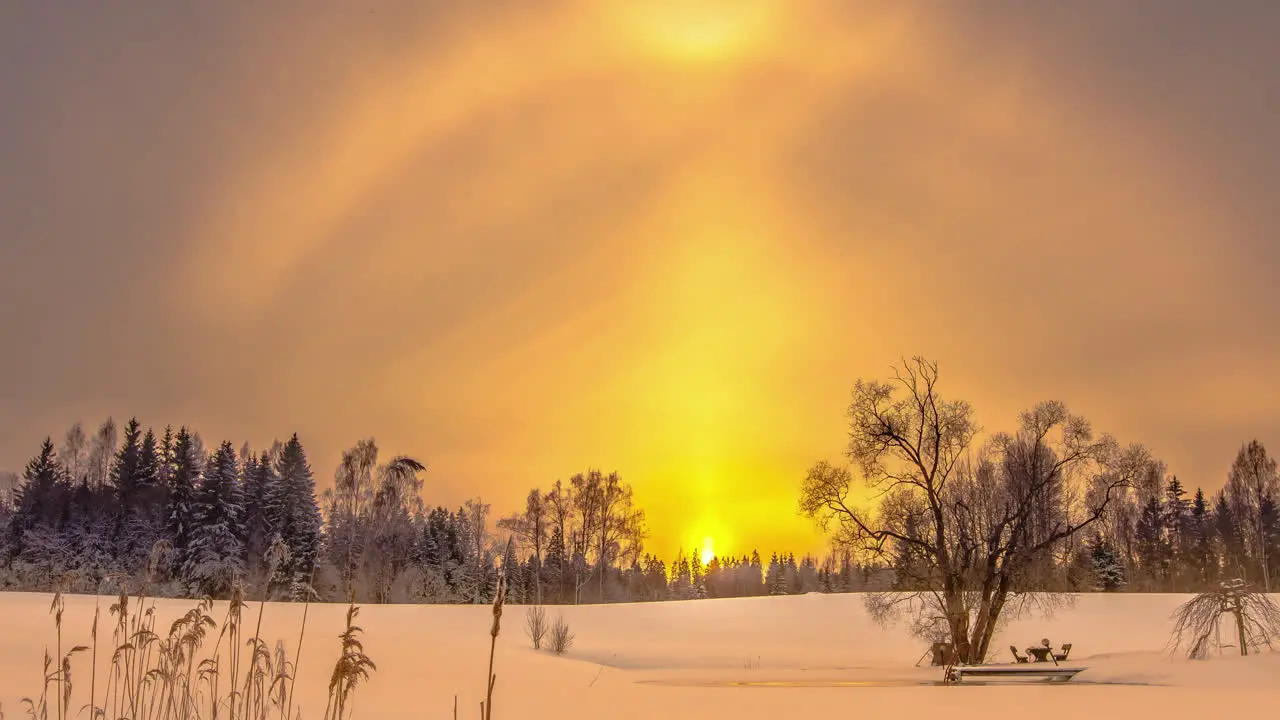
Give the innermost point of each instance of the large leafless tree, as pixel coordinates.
(975, 525)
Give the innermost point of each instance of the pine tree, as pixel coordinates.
(634, 581)
(1203, 560)
(792, 574)
(147, 523)
(168, 457)
(713, 582)
(257, 477)
(1152, 546)
(129, 478)
(1230, 539)
(433, 549)
(124, 473)
(1269, 522)
(179, 513)
(214, 558)
(755, 577)
(1177, 520)
(148, 476)
(41, 500)
(775, 577)
(681, 578)
(697, 579)
(846, 582)
(1107, 569)
(807, 576)
(557, 565)
(299, 522)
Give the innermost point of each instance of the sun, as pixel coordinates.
(708, 551)
(698, 30)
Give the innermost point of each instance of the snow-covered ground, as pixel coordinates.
(809, 656)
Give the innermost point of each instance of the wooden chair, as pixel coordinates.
(1066, 650)
(1020, 658)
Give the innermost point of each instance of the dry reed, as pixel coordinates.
(175, 675)
(499, 597)
(353, 665)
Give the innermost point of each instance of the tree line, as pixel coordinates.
(190, 521)
(1157, 538)
(1049, 507)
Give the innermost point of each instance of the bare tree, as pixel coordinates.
(102, 450)
(609, 526)
(9, 481)
(560, 515)
(1256, 616)
(476, 513)
(370, 511)
(531, 529)
(389, 527)
(976, 524)
(559, 502)
(345, 503)
(1251, 482)
(586, 514)
(74, 453)
(620, 525)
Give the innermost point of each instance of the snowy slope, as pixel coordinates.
(807, 656)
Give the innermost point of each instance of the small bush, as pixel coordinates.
(535, 625)
(561, 636)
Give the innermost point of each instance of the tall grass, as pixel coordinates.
(352, 667)
(186, 671)
(169, 674)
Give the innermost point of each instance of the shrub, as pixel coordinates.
(561, 636)
(535, 625)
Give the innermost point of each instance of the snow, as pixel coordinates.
(792, 656)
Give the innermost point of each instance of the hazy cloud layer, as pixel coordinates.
(517, 239)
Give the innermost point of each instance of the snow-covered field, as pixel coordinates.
(811, 656)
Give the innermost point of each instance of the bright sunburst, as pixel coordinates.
(708, 551)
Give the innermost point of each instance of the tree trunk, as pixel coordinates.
(537, 564)
(958, 623)
(1244, 643)
(988, 625)
(1262, 550)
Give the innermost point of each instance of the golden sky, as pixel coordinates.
(518, 239)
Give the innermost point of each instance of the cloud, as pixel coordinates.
(519, 240)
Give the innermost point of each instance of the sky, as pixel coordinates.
(518, 240)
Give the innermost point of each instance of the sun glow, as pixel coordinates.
(708, 551)
(696, 30)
